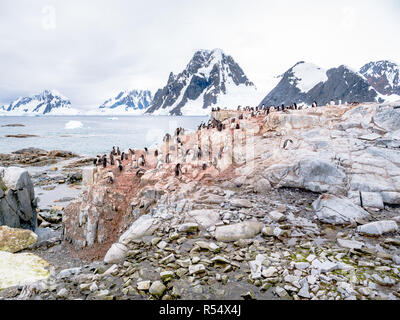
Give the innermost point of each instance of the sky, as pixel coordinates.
(90, 50)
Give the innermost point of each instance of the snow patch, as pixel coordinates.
(308, 75)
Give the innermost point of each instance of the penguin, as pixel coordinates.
(111, 158)
(204, 166)
(140, 172)
(110, 177)
(237, 126)
(132, 152)
(295, 106)
(168, 158)
(113, 151)
(286, 143)
(118, 151)
(199, 153)
(120, 167)
(122, 156)
(104, 161)
(178, 170)
(95, 161)
(142, 161)
(156, 153)
(146, 150)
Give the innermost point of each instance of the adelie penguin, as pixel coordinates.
(122, 156)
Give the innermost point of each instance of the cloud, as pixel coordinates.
(90, 50)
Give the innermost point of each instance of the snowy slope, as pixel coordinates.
(134, 102)
(211, 79)
(49, 102)
(306, 82)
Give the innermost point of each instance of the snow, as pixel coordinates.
(70, 125)
(308, 75)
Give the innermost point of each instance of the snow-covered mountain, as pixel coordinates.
(306, 82)
(49, 102)
(211, 79)
(127, 102)
(383, 75)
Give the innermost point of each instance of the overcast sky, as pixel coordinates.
(89, 50)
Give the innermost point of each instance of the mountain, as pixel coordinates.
(211, 79)
(49, 102)
(383, 75)
(306, 82)
(127, 102)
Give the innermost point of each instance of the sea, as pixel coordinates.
(91, 135)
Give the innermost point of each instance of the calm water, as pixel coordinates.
(92, 135)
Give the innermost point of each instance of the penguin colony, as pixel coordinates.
(137, 159)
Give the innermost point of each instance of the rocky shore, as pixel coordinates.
(303, 204)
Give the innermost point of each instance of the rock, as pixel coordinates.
(220, 259)
(326, 266)
(241, 203)
(116, 253)
(268, 231)
(350, 244)
(313, 174)
(113, 270)
(301, 265)
(167, 276)
(256, 267)
(372, 200)
(269, 272)
(262, 186)
(17, 199)
(338, 210)
(14, 240)
(157, 288)
(204, 218)
(21, 268)
(211, 246)
(67, 273)
(243, 230)
(144, 226)
(144, 285)
(249, 296)
(282, 293)
(277, 216)
(196, 269)
(62, 293)
(378, 228)
(188, 227)
(304, 291)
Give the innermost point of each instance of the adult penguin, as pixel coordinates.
(104, 161)
(118, 151)
(112, 159)
(120, 167)
(122, 156)
(156, 153)
(142, 161)
(178, 170)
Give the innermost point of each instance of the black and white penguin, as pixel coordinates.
(142, 161)
(122, 156)
(118, 151)
(104, 161)
(120, 167)
(178, 170)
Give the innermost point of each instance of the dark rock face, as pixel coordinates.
(207, 73)
(17, 199)
(383, 75)
(341, 84)
(135, 100)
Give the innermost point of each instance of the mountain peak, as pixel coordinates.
(208, 79)
(383, 75)
(128, 101)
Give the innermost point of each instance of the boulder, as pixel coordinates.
(378, 228)
(21, 268)
(157, 288)
(243, 230)
(144, 226)
(15, 240)
(372, 200)
(17, 199)
(338, 210)
(310, 173)
(116, 253)
(387, 118)
(204, 218)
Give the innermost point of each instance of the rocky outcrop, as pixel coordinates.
(15, 240)
(17, 199)
(338, 210)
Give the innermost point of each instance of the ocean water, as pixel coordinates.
(90, 135)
